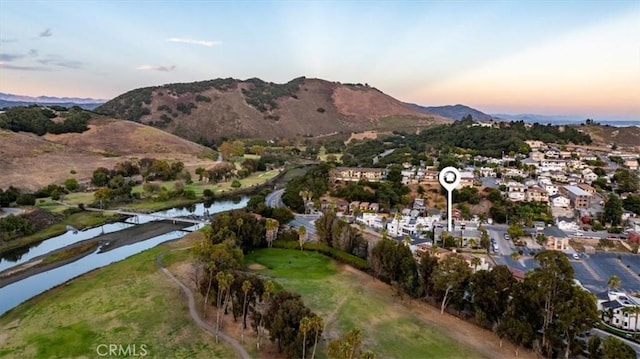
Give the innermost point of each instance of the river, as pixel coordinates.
(16, 293)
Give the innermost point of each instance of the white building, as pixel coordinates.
(558, 200)
(516, 191)
(614, 307)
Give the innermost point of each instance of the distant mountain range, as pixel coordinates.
(11, 100)
(455, 112)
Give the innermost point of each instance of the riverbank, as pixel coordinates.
(76, 251)
(129, 303)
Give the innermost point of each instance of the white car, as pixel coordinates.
(575, 256)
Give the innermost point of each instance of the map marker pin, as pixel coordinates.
(449, 178)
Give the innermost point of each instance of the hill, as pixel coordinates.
(29, 161)
(455, 112)
(209, 110)
(627, 138)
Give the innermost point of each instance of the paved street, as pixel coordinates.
(603, 334)
(7, 211)
(274, 199)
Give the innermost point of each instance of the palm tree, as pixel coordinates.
(223, 284)
(475, 262)
(406, 240)
(266, 297)
(302, 235)
(305, 326)
(317, 324)
(271, 227)
(246, 286)
(613, 282)
(635, 310)
(471, 242)
(515, 256)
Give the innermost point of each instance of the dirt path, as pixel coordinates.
(194, 313)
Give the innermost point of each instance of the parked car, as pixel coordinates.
(575, 256)
(507, 237)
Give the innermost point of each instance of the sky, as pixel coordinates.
(544, 57)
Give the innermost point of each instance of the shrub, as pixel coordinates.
(236, 184)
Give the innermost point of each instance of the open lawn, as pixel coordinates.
(127, 303)
(346, 300)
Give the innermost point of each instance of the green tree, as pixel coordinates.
(516, 231)
(614, 348)
(613, 282)
(71, 184)
(491, 292)
(283, 317)
(453, 271)
(612, 210)
(317, 325)
(224, 284)
(348, 347)
(594, 347)
(305, 327)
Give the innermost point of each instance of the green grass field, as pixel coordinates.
(345, 300)
(127, 303)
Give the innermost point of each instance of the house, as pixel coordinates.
(536, 194)
(556, 238)
(536, 156)
(588, 175)
(354, 206)
(585, 187)
(364, 206)
(374, 207)
(467, 179)
(615, 307)
(343, 206)
(487, 172)
(346, 174)
(558, 200)
(579, 198)
(516, 191)
(535, 144)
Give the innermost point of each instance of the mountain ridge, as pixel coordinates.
(209, 110)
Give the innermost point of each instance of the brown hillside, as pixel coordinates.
(219, 108)
(31, 162)
(624, 137)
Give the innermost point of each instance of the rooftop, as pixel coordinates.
(577, 191)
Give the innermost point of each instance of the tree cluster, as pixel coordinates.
(316, 181)
(40, 120)
(291, 325)
(263, 95)
(337, 233)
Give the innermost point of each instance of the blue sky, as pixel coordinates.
(546, 57)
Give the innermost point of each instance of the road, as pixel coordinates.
(603, 334)
(274, 199)
(196, 317)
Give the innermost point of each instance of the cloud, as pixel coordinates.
(6, 41)
(10, 57)
(6, 66)
(195, 42)
(58, 61)
(156, 68)
(33, 53)
(46, 33)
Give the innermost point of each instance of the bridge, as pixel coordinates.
(129, 212)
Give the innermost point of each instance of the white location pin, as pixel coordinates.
(449, 178)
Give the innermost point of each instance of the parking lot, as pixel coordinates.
(593, 270)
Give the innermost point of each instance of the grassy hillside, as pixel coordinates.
(208, 110)
(29, 161)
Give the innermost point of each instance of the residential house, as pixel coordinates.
(535, 144)
(487, 172)
(615, 305)
(556, 238)
(467, 179)
(587, 188)
(579, 198)
(429, 177)
(536, 156)
(558, 200)
(374, 207)
(588, 175)
(536, 194)
(516, 191)
(346, 174)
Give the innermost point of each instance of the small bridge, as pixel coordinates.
(129, 212)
